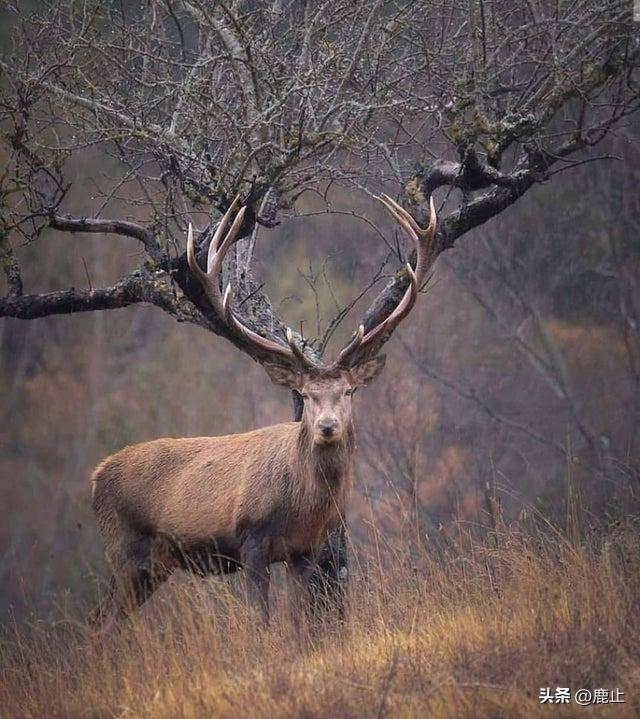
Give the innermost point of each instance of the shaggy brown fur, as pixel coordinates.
(213, 504)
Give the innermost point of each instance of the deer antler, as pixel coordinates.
(221, 303)
(269, 350)
(423, 238)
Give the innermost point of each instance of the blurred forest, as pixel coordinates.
(516, 379)
(520, 368)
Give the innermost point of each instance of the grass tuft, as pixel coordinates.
(474, 632)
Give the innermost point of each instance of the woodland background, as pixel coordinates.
(494, 529)
(524, 347)
(516, 379)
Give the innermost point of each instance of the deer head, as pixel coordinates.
(326, 394)
(325, 389)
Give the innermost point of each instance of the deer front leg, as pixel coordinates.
(299, 572)
(255, 561)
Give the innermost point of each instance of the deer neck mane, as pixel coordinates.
(325, 465)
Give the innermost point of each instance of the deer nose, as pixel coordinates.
(328, 426)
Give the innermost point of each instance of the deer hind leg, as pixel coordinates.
(255, 563)
(139, 567)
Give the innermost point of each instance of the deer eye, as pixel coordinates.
(348, 393)
(304, 395)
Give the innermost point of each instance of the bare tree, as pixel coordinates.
(188, 103)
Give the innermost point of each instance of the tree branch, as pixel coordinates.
(468, 175)
(137, 287)
(66, 223)
(28, 307)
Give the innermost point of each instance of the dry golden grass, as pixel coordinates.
(473, 633)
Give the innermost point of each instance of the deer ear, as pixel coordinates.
(366, 371)
(282, 375)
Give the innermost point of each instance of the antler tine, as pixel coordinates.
(355, 342)
(216, 257)
(401, 311)
(191, 256)
(407, 220)
(222, 225)
(423, 237)
(302, 357)
(400, 215)
(221, 304)
(210, 279)
(254, 338)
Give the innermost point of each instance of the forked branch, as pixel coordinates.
(361, 346)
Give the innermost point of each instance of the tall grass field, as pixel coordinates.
(473, 627)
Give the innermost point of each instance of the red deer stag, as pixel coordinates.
(216, 504)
